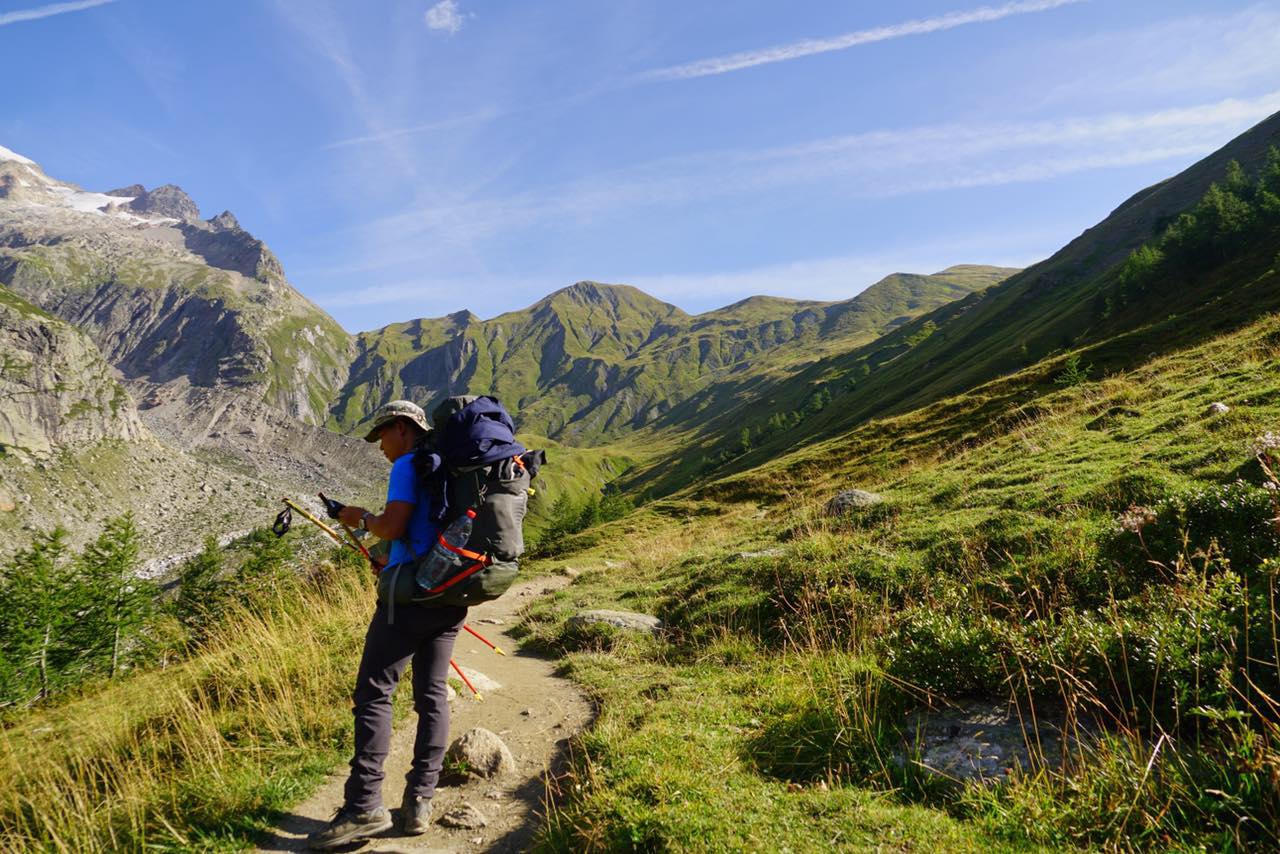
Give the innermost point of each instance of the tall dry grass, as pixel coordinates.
(197, 755)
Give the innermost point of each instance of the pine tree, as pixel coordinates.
(202, 592)
(37, 606)
(589, 514)
(122, 603)
(614, 506)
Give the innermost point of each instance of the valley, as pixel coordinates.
(867, 533)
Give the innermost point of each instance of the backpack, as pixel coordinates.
(476, 464)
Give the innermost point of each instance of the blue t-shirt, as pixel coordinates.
(403, 486)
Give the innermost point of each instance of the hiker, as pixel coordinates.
(397, 634)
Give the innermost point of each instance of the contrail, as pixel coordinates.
(49, 11)
(809, 47)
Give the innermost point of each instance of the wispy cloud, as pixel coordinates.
(412, 130)
(822, 278)
(872, 164)
(445, 17)
(836, 278)
(49, 11)
(810, 47)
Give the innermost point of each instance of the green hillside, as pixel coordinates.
(1215, 242)
(592, 362)
(1087, 555)
(158, 317)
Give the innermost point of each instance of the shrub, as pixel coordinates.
(1072, 374)
(953, 654)
(1234, 520)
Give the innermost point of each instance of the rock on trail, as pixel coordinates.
(512, 798)
(481, 753)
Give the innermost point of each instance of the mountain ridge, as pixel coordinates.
(1067, 301)
(613, 357)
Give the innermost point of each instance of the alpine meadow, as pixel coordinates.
(981, 557)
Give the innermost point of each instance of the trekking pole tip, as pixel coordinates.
(498, 650)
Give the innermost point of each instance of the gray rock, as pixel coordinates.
(1217, 408)
(626, 620)
(132, 191)
(984, 742)
(169, 201)
(763, 553)
(852, 499)
(483, 683)
(464, 817)
(483, 754)
(225, 221)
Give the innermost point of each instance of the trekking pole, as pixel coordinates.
(484, 640)
(334, 508)
(282, 526)
(466, 680)
(337, 538)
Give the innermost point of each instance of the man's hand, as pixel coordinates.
(391, 525)
(350, 516)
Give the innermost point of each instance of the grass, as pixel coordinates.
(997, 567)
(773, 713)
(199, 755)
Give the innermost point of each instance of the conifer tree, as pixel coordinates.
(121, 604)
(589, 514)
(37, 606)
(201, 589)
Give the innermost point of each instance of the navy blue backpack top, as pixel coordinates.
(473, 462)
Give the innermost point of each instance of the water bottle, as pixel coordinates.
(440, 561)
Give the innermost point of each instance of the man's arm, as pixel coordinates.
(391, 524)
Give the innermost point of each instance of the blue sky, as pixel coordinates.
(409, 159)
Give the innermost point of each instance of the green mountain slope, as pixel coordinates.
(1087, 295)
(592, 361)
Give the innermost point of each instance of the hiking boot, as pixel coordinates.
(347, 826)
(415, 814)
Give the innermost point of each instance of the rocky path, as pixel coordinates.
(531, 709)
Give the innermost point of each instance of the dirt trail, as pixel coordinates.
(534, 711)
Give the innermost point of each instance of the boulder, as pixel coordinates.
(626, 620)
(482, 683)
(464, 817)
(852, 499)
(1217, 408)
(482, 753)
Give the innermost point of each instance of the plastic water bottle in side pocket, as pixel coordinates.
(442, 561)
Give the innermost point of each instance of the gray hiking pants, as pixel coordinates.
(425, 636)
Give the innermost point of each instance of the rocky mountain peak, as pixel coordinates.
(225, 221)
(169, 200)
(131, 192)
(588, 291)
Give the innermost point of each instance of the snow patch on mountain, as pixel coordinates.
(85, 201)
(6, 154)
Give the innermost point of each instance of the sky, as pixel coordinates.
(412, 158)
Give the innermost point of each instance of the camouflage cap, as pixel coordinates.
(393, 410)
